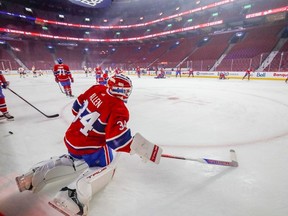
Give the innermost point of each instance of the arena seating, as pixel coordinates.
(256, 45)
(6, 61)
(280, 62)
(186, 49)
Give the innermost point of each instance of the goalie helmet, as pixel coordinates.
(120, 86)
(60, 60)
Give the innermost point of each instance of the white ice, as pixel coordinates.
(190, 117)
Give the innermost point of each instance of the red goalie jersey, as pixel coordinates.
(100, 121)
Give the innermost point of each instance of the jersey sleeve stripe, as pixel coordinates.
(124, 145)
(82, 147)
(119, 135)
(76, 106)
(120, 141)
(98, 127)
(107, 155)
(103, 123)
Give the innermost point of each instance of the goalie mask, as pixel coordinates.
(120, 86)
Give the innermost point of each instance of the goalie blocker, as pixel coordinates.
(145, 149)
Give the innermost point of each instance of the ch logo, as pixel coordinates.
(122, 125)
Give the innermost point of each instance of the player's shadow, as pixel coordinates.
(26, 203)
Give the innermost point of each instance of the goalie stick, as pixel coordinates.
(48, 116)
(232, 163)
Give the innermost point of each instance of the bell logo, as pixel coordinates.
(261, 74)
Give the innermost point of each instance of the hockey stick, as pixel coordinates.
(232, 163)
(52, 69)
(61, 88)
(48, 116)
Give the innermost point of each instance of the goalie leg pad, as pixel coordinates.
(74, 199)
(145, 149)
(94, 179)
(48, 171)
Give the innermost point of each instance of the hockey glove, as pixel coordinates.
(72, 80)
(5, 85)
(56, 80)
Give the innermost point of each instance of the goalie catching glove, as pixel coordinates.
(145, 149)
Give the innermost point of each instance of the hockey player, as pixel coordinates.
(161, 75)
(178, 72)
(102, 80)
(138, 71)
(63, 75)
(85, 70)
(191, 72)
(21, 72)
(90, 71)
(247, 73)
(3, 107)
(98, 131)
(33, 70)
(98, 73)
(118, 70)
(222, 75)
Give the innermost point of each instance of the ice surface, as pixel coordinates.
(190, 117)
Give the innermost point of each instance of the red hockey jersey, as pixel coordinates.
(98, 70)
(62, 72)
(248, 71)
(2, 79)
(100, 120)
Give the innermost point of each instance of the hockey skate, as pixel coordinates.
(66, 201)
(69, 95)
(7, 116)
(24, 182)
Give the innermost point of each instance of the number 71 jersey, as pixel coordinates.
(100, 120)
(62, 72)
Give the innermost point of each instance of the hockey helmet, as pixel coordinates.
(60, 60)
(120, 86)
